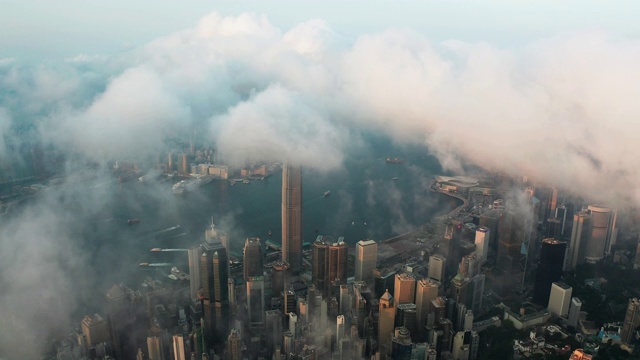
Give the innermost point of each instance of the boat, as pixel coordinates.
(395, 178)
(353, 223)
(172, 277)
(183, 186)
(246, 181)
(394, 160)
(326, 193)
(133, 221)
(156, 250)
(365, 224)
(269, 233)
(144, 264)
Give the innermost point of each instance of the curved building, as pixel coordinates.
(600, 232)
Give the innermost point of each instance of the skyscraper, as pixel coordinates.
(179, 352)
(255, 299)
(329, 263)
(366, 259)
(631, 320)
(252, 262)
(386, 320)
(549, 269)
(155, 348)
(601, 229)
(404, 289)
(426, 292)
(214, 267)
(482, 242)
(436, 267)
(580, 234)
(451, 248)
(560, 299)
(234, 346)
(510, 240)
(292, 216)
(337, 263)
(194, 270)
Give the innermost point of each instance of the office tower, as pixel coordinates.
(273, 329)
(467, 324)
(580, 234)
(194, 270)
(289, 303)
(461, 345)
(482, 242)
(292, 216)
(337, 263)
(426, 292)
(490, 219)
(278, 276)
(601, 232)
(234, 346)
(155, 348)
(214, 281)
(252, 262)
(451, 246)
(345, 299)
(404, 289)
(95, 330)
(329, 264)
(574, 312)
(140, 355)
(406, 316)
(553, 201)
(383, 279)
(184, 164)
(561, 214)
(560, 299)
(554, 225)
(366, 260)
(549, 269)
(631, 320)
(319, 263)
(476, 289)
(255, 299)
(510, 239)
(122, 309)
(179, 352)
(470, 265)
(436, 267)
(170, 163)
(401, 344)
(386, 320)
(293, 323)
(231, 286)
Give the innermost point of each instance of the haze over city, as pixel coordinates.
(371, 99)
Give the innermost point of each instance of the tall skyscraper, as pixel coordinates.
(510, 239)
(329, 263)
(122, 308)
(194, 271)
(601, 231)
(631, 320)
(386, 321)
(255, 299)
(179, 350)
(292, 216)
(426, 292)
(436, 267)
(549, 269)
(560, 299)
(95, 330)
(482, 242)
(214, 276)
(580, 234)
(252, 262)
(451, 246)
(404, 289)
(155, 348)
(574, 312)
(366, 260)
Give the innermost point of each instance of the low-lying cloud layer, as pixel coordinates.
(561, 111)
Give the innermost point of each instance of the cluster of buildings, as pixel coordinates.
(334, 301)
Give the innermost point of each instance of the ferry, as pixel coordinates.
(394, 160)
(156, 250)
(144, 264)
(395, 178)
(326, 193)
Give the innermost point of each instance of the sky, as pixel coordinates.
(544, 89)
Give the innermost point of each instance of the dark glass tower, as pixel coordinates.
(549, 269)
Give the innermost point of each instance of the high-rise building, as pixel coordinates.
(155, 348)
(436, 267)
(329, 263)
(574, 312)
(580, 235)
(95, 330)
(384, 279)
(401, 344)
(426, 292)
(601, 232)
(340, 331)
(278, 276)
(549, 269)
(561, 213)
(273, 330)
(404, 289)
(122, 309)
(234, 346)
(214, 276)
(386, 320)
(490, 220)
(631, 320)
(510, 239)
(482, 242)
(255, 299)
(554, 226)
(451, 246)
(194, 271)
(292, 216)
(179, 350)
(366, 259)
(560, 299)
(252, 262)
